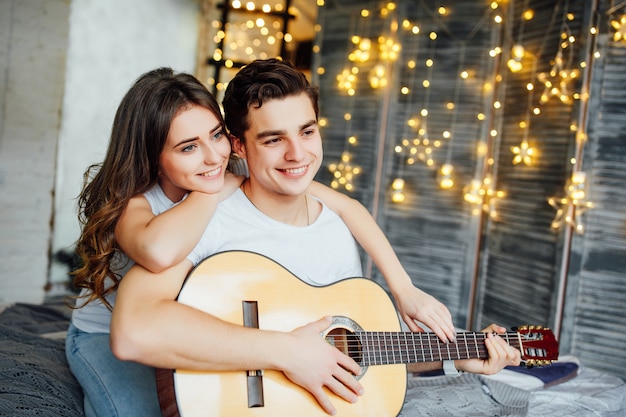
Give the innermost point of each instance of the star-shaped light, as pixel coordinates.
(557, 81)
(523, 153)
(344, 172)
(569, 209)
(388, 50)
(362, 51)
(483, 196)
(619, 25)
(419, 148)
(347, 80)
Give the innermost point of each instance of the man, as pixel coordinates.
(271, 111)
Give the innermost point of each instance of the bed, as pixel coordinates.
(35, 379)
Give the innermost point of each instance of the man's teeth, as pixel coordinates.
(295, 171)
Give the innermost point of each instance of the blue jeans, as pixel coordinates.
(111, 387)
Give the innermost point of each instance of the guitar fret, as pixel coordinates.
(385, 348)
(438, 349)
(466, 345)
(430, 347)
(374, 348)
(476, 344)
(365, 348)
(406, 347)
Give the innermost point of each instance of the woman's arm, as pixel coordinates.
(158, 242)
(413, 303)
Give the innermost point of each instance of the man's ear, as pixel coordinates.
(238, 147)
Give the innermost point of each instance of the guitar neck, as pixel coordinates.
(385, 348)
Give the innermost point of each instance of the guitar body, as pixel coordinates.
(219, 286)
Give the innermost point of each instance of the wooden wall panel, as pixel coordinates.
(430, 230)
(595, 316)
(517, 264)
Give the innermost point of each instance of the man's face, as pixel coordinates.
(283, 146)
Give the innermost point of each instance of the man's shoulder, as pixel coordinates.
(233, 200)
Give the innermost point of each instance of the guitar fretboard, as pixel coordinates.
(385, 348)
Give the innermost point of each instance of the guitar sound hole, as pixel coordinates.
(347, 342)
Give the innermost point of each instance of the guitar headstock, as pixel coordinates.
(539, 347)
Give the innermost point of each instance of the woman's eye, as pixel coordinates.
(188, 148)
(218, 135)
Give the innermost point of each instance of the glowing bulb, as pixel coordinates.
(445, 176)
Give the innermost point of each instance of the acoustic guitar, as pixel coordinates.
(251, 290)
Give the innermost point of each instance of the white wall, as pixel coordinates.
(33, 44)
(64, 67)
(111, 43)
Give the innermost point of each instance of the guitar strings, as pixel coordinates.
(374, 348)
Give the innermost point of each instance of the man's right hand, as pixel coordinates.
(315, 364)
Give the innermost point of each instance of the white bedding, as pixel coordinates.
(584, 393)
(589, 393)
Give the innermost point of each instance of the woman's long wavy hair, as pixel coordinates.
(130, 168)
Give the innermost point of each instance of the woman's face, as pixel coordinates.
(195, 154)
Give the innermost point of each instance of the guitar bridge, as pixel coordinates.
(254, 377)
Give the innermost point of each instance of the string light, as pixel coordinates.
(558, 80)
(569, 209)
(344, 172)
(523, 153)
(619, 26)
(347, 80)
(421, 147)
(445, 172)
(445, 176)
(483, 196)
(481, 193)
(517, 54)
(388, 50)
(397, 190)
(517, 51)
(377, 77)
(363, 50)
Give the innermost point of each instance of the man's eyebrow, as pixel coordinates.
(308, 124)
(267, 133)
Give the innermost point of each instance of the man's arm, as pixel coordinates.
(150, 327)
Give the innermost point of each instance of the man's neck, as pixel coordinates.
(289, 209)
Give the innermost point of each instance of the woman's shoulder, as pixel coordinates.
(157, 199)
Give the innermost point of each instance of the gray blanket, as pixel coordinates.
(34, 377)
(463, 395)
